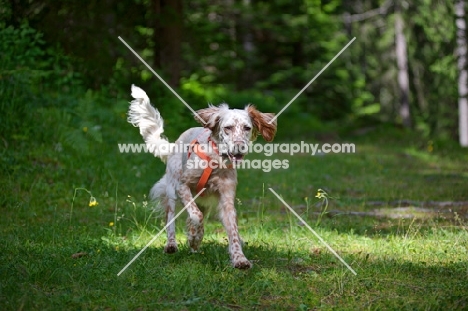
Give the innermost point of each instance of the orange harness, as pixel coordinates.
(209, 164)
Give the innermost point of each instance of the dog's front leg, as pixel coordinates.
(229, 219)
(195, 230)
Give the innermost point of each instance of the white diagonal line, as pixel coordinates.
(162, 80)
(312, 230)
(159, 233)
(313, 79)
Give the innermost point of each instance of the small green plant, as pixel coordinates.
(141, 222)
(262, 206)
(92, 200)
(324, 197)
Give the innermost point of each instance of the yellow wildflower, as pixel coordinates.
(430, 146)
(92, 202)
(321, 194)
(111, 224)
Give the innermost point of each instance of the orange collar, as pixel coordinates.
(209, 163)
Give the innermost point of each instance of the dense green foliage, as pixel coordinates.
(262, 52)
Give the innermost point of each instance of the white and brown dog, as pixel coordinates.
(231, 129)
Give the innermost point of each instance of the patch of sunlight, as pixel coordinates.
(133, 240)
(424, 156)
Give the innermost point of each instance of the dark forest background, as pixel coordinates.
(62, 61)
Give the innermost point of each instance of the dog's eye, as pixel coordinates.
(228, 128)
(247, 128)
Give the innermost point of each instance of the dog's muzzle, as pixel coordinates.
(237, 151)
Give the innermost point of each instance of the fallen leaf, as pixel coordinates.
(79, 255)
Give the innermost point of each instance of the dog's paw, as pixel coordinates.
(242, 264)
(170, 248)
(194, 243)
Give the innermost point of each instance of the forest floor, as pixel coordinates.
(395, 211)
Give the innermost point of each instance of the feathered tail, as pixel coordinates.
(141, 114)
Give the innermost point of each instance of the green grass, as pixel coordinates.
(401, 263)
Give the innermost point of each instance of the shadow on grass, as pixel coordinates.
(43, 275)
(281, 279)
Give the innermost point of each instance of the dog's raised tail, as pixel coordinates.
(144, 116)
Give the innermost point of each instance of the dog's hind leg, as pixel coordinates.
(171, 245)
(160, 192)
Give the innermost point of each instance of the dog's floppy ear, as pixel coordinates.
(208, 117)
(261, 123)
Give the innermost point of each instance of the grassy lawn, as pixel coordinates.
(384, 218)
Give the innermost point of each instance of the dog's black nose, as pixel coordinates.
(240, 147)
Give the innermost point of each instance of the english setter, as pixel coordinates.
(231, 129)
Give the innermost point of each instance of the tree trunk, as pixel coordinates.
(157, 30)
(462, 73)
(402, 63)
(246, 76)
(167, 38)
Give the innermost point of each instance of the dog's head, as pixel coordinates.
(235, 128)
